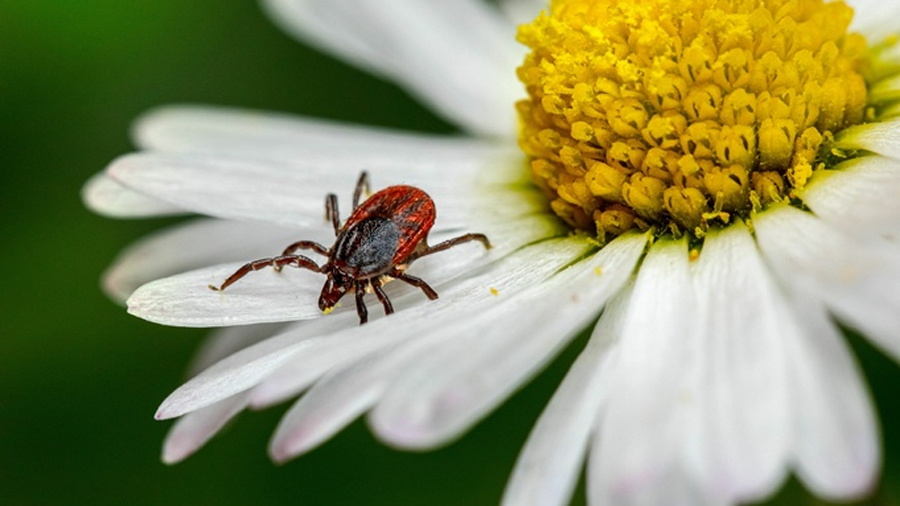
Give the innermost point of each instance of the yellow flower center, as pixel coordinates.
(680, 113)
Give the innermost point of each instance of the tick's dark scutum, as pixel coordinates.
(408, 207)
(368, 246)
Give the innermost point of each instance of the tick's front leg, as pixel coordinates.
(318, 248)
(298, 261)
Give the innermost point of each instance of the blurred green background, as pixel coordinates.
(80, 379)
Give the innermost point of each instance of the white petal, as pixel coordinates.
(262, 135)
(549, 465)
(338, 399)
(334, 402)
(187, 301)
(506, 237)
(458, 57)
(837, 445)
(293, 194)
(523, 11)
(197, 244)
(874, 18)
(232, 188)
(195, 429)
(880, 138)
(641, 433)
(857, 280)
(860, 196)
(229, 340)
(109, 198)
(240, 371)
(340, 332)
(744, 430)
(268, 296)
(671, 486)
(456, 384)
(468, 296)
(301, 371)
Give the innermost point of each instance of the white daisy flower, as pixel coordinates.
(733, 169)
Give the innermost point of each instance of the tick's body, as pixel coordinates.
(381, 238)
(384, 231)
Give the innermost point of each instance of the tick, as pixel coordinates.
(382, 237)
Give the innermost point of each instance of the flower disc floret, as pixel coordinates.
(681, 113)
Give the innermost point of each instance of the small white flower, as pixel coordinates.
(716, 367)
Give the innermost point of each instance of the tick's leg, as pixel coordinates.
(362, 185)
(318, 248)
(379, 292)
(299, 261)
(332, 213)
(449, 243)
(360, 304)
(416, 282)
